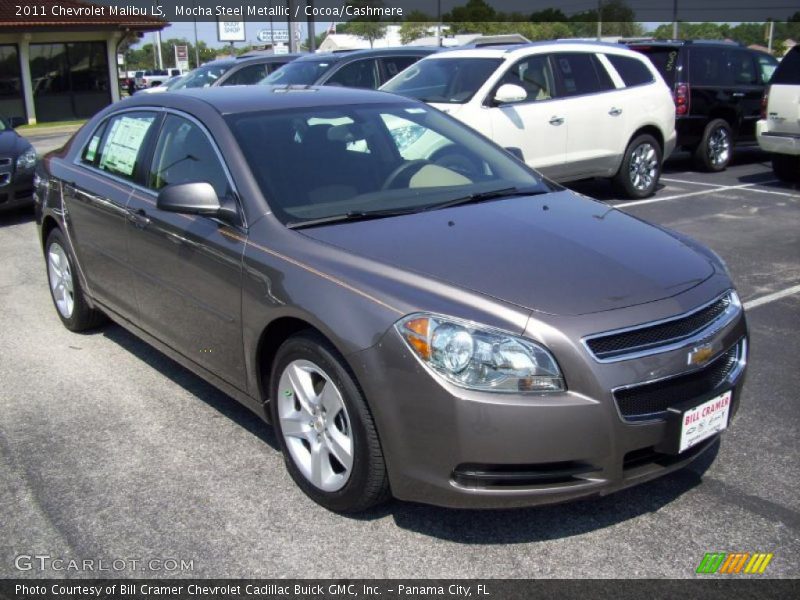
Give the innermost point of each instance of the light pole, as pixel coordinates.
(674, 19)
(599, 20)
(196, 50)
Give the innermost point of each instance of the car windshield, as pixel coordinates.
(202, 77)
(443, 80)
(321, 163)
(299, 72)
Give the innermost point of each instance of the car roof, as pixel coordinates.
(267, 58)
(244, 99)
(520, 50)
(673, 43)
(340, 55)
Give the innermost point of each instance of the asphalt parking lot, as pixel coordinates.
(108, 449)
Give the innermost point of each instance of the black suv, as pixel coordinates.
(349, 68)
(717, 88)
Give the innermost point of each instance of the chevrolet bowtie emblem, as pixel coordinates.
(700, 355)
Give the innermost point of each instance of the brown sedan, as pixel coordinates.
(417, 313)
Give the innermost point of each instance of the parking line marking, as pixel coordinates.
(795, 289)
(773, 192)
(686, 195)
(689, 182)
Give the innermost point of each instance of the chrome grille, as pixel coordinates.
(621, 344)
(651, 399)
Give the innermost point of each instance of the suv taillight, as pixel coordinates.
(764, 102)
(681, 99)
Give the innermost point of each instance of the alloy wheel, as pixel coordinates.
(719, 146)
(643, 167)
(315, 425)
(61, 283)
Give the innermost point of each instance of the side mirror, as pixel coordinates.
(197, 198)
(508, 93)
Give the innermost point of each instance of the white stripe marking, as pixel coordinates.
(687, 195)
(772, 297)
(773, 192)
(689, 182)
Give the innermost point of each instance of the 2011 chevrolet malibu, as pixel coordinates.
(416, 312)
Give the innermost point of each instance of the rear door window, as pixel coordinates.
(122, 147)
(357, 74)
(632, 70)
(580, 73)
(249, 75)
(742, 68)
(708, 66)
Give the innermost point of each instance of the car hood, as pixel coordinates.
(11, 143)
(555, 253)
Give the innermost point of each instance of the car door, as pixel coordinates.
(592, 109)
(535, 127)
(747, 89)
(96, 205)
(189, 267)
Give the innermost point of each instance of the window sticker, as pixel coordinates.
(123, 143)
(91, 149)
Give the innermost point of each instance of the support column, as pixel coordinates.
(113, 69)
(25, 72)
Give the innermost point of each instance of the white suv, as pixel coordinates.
(571, 110)
(778, 131)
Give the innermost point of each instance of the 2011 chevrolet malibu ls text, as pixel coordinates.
(418, 313)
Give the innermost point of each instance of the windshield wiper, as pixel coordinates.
(490, 195)
(353, 215)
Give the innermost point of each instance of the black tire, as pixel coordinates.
(624, 181)
(705, 157)
(368, 483)
(786, 167)
(82, 316)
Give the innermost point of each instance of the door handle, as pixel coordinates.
(738, 94)
(139, 218)
(556, 120)
(615, 112)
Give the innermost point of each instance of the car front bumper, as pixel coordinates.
(18, 191)
(453, 447)
(776, 142)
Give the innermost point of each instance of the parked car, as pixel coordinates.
(243, 70)
(170, 83)
(717, 88)
(17, 163)
(367, 69)
(778, 131)
(482, 341)
(572, 110)
(150, 78)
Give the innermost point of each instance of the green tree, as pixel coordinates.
(416, 25)
(363, 27)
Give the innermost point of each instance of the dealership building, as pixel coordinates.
(58, 64)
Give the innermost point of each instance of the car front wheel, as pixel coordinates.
(324, 427)
(65, 287)
(641, 167)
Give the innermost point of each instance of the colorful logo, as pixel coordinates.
(734, 562)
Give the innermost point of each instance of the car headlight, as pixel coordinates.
(27, 160)
(480, 358)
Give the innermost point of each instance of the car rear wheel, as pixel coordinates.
(641, 167)
(786, 167)
(324, 427)
(65, 287)
(716, 147)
